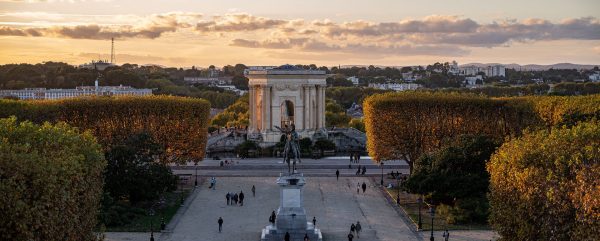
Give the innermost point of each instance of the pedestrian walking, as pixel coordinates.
(235, 198)
(272, 217)
(241, 198)
(214, 183)
(358, 229)
(220, 223)
(227, 196)
(253, 191)
(350, 236)
(364, 187)
(352, 228)
(314, 221)
(358, 170)
(446, 235)
(287, 236)
(337, 174)
(358, 188)
(364, 170)
(306, 237)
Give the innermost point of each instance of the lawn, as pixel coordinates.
(141, 222)
(409, 204)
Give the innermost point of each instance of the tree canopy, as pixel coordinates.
(406, 125)
(455, 175)
(544, 185)
(51, 181)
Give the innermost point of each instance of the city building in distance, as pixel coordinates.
(53, 94)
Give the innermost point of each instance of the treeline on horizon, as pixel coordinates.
(63, 75)
(169, 81)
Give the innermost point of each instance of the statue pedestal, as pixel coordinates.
(291, 216)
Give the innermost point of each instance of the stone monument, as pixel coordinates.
(291, 216)
(283, 96)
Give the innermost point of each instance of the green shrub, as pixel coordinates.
(51, 181)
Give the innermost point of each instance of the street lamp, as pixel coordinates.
(151, 214)
(381, 164)
(196, 174)
(181, 190)
(432, 211)
(419, 224)
(398, 194)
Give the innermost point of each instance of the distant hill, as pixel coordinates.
(538, 66)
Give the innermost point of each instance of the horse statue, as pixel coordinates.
(291, 150)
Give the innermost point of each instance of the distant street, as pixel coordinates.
(272, 167)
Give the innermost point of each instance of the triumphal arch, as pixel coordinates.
(283, 96)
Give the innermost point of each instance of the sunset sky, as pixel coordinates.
(183, 33)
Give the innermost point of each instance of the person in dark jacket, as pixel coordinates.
(228, 197)
(337, 174)
(241, 198)
(350, 236)
(287, 236)
(220, 223)
(364, 187)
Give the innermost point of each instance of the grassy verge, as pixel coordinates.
(408, 202)
(141, 222)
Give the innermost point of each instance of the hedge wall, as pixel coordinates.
(407, 124)
(178, 123)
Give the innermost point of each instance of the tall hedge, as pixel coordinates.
(545, 185)
(407, 124)
(564, 110)
(50, 181)
(177, 123)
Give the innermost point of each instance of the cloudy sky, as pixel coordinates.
(183, 33)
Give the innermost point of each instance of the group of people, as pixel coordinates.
(363, 186)
(354, 157)
(234, 198)
(228, 163)
(286, 237)
(359, 170)
(354, 231)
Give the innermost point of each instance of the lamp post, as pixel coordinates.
(181, 191)
(432, 211)
(381, 164)
(398, 194)
(420, 223)
(151, 214)
(196, 174)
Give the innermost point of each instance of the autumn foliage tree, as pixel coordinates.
(179, 124)
(51, 181)
(545, 185)
(406, 125)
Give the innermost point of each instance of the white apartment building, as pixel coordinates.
(489, 71)
(396, 86)
(595, 77)
(53, 94)
(354, 80)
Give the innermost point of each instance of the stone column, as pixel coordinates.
(252, 124)
(322, 104)
(305, 101)
(267, 107)
(318, 113)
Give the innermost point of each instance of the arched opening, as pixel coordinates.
(287, 113)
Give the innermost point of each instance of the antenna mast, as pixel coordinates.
(112, 51)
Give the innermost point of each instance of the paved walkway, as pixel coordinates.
(334, 203)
